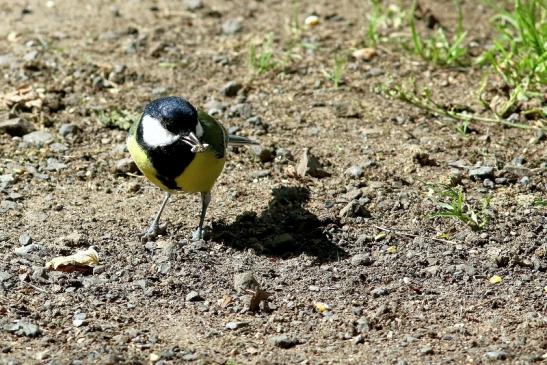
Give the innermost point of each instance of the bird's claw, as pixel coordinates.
(153, 232)
(198, 234)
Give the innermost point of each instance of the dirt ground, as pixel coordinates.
(381, 282)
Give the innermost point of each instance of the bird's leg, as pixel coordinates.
(154, 229)
(205, 200)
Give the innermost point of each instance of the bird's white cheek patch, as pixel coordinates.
(154, 134)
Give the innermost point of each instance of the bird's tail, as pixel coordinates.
(238, 140)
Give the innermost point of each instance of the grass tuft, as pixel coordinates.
(262, 60)
(453, 204)
(437, 48)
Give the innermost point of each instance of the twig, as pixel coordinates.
(36, 287)
(398, 232)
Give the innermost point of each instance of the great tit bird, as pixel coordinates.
(179, 149)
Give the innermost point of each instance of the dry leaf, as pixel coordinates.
(82, 261)
(225, 301)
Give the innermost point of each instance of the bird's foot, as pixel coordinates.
(198, 234)
(153, 232)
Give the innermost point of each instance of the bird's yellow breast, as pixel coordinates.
(199, 176)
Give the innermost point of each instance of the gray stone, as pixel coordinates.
(496, 355)
(38, 138)
(355, 208)
(357, 340)
(232, 26)
(194, 296)
(518, 161)
(381, 291)
(79, 319)
(283, 155)
(31, 56)
(236, 325)
(481, 172)
(125, 166)
(255, 121)
(58, 147)
(25, 239)
(54, 165)
(193, 5)
(426, 350)
(243, 110)
(4, 275)
(7, 59)
(6, 205)
(264, 154)
(354, 172)
(231, 88)
(215, 108)
(259, 174)
(16, 127)
(24, 328)
(525, 180)
(363, 325)
(283, 341)
(25, 250)
(361, 259)
(487, 183)
(67, 129)
(245, 281)
(6, 180)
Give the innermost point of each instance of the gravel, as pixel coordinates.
(38, 138)
(231, 88)
(283, 341)
(481, 172)
(232, 26)
(496, 355)
(194, 296)
(354, 172)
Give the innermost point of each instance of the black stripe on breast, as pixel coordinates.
(169, 161)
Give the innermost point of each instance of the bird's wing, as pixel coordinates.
(214, 133)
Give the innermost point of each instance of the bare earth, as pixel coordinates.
(384, 296)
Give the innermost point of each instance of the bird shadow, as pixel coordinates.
(284, 229)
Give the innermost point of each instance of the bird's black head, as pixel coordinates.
(176, 114)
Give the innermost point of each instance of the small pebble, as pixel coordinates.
(496, 355)
(236, 325)
(354, 172)
(25, 239)
(231, 88)
(67, 129)
(194, 296)
(232, 26)
(361, 259)
(193, 5)
(79, 319)
(481, 172)
(38, 138)
(245, 281)
(283, 341)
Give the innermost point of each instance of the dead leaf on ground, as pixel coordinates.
(82, 261)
